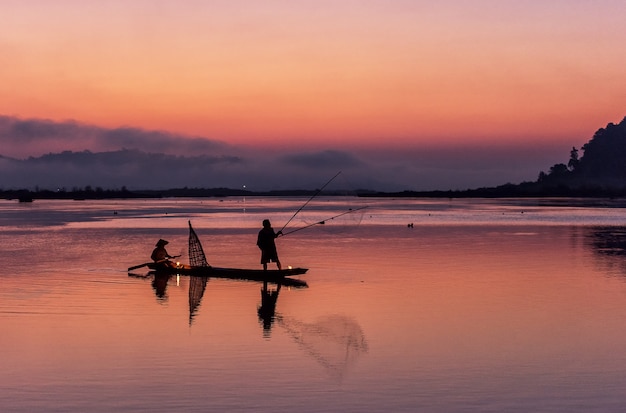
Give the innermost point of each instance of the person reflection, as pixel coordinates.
(267, 309)
(159, 284)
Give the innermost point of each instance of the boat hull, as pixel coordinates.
(274, 276)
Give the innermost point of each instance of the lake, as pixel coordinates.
(479, 306)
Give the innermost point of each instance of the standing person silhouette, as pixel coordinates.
(265, 242)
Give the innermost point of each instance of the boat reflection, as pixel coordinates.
(197, 287)
(159, 283)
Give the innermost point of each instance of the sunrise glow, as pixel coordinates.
(271, 72)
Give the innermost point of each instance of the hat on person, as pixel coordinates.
(161, 242)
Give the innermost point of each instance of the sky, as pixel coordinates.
(415, 94)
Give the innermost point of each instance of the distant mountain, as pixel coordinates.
(113, 169)
(132, 172)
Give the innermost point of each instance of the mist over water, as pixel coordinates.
(481, 305)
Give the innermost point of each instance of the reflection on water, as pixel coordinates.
(197, 285)
(609, 246)
(267, 309)
(335, 341)
(609, 240)
(159, 283)
(477, 307)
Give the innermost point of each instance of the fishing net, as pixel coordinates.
(196, 253)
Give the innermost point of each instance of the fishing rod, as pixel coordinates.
(305, 204)
(324, 221)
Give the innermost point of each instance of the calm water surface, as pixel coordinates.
(482, 306)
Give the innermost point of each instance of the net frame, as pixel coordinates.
(197, 258)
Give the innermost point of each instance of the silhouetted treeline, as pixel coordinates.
(600, 172)
(523, 190)
(88, 192)
(602, 165)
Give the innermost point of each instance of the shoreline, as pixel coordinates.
(25, 195)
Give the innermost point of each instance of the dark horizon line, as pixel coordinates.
(523, 190)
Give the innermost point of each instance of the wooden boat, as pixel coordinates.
(200, 267)
(274, 276)
(209, 271)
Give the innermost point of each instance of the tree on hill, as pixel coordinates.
(603, 163)
(605, 154)
(573, 159)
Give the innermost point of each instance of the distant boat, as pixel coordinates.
(25, 198)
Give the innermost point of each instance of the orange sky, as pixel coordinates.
(402, 72)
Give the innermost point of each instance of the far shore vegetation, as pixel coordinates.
(596, 170)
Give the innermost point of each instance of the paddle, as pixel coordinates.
(148, 263)
(139, 266)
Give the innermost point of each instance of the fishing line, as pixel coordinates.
(309, 200)
(324, 221)
(341, 198)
